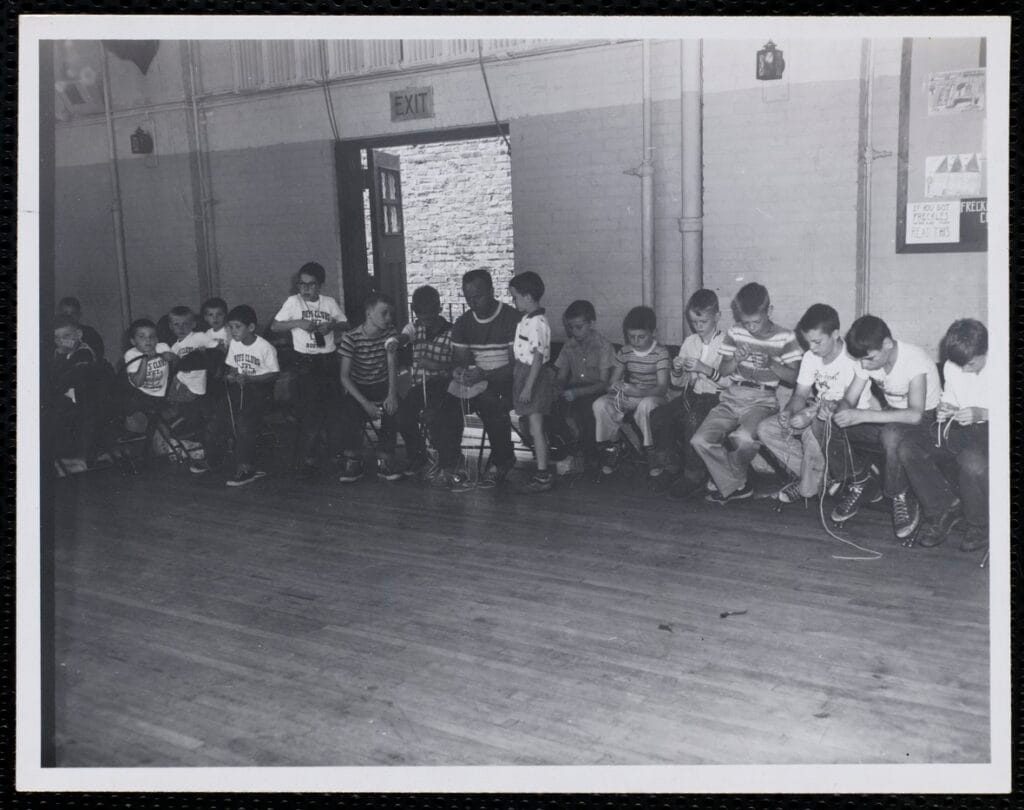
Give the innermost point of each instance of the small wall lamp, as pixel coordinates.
(770, 63)
(142, 142)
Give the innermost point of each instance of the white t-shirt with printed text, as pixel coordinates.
(194, 381)
(832, 379)
(911, 361)
(158, 371)
(324, 310)
(259, 357)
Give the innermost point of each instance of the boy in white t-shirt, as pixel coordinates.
(909, 380)
(251, 368)
(187, 390)
(694, 386)
(147, 362)
(960, 436)
(795, 435)
(533, 389)
(312, 318)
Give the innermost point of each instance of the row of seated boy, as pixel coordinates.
(703, 415)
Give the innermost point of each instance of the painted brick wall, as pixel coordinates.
(576, 214)
(86, 264)
(275, 209)
(920, 294)
(457, 202)
(780, 182)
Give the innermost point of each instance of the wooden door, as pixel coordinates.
(387, 229)
(356, 279)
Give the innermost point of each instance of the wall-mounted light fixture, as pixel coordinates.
(770, 63)
(142, 142)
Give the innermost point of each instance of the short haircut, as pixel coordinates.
(375, 298)
(65, 321)
(480, 275)
(140, 323)
(580, 309)
(70, 301)
(426, 296)
(703, 301)
(965, 339)
(640, 318)
(866, 335)
(819, 316)
(243, 314)
(181, 312)
(528, 283)
(752, 299)
(313, 269)
(214, 303)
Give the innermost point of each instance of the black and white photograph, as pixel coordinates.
(513, 404)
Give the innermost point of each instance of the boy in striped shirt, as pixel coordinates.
(639, 384)
(369, 375)
(757, 355)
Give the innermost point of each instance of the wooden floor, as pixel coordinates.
(295, 624)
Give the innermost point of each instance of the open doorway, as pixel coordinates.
(424, 211)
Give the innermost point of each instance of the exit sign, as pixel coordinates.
(416, 102)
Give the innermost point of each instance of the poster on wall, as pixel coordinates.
(956, 91)
(942, 203)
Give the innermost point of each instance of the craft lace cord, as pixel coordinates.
(874, 555)
(942, 432)
(231, 409)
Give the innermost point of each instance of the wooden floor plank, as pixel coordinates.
(310, 624)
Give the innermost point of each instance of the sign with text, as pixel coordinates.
(412, 103)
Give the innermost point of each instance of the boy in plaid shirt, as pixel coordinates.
(431, 340)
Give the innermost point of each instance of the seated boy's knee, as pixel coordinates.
(741, 436)
(973, 463)
(891, 436)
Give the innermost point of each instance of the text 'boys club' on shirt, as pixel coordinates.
(259, 357)
(157, 370)
(488, 339)
(781, 345)
(324, 310)
(911, 361)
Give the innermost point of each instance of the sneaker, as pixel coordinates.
(198, 468)
(539, 482)
(353, 471)
(849, 503)
(495, 474)
(246, 477)
(934, 532)
(744, 492)
(655, 472)
(461, 482)
(387, 470)
(789, 493)
(418, 468)
(610, 458)
(440, 477)
(975, 538)
(906, 516)
(832, 487)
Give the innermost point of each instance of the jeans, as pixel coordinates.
(317, 405)
(415, 409)
(850, 448)
(243, 417)
(966, 448)
(493, 406)
(799, 451)
(354, 417)
(674, 425)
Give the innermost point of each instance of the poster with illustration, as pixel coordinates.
(956, 91)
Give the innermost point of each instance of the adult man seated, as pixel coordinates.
(482, 341)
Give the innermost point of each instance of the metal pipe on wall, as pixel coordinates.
(115, 207)
(865, 159)
(647, 187)
(209, 277)
(691, 222)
